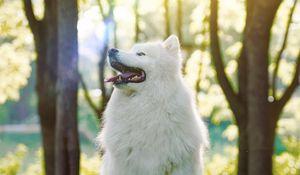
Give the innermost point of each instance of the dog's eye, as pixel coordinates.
(140, 54)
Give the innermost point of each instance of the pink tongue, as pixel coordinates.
(112, 79)
(127, 74)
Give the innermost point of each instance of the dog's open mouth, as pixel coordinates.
(127, 74)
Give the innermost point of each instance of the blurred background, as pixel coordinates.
(241, 58)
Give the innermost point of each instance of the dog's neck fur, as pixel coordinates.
(161, 97)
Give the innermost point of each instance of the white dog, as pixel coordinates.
(151, 123)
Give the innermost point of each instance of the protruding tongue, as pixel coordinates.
(112, 79)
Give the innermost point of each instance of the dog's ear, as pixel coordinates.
(172, 44)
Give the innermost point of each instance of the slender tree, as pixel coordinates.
(45, 40)
(255, 116)
(108, 19)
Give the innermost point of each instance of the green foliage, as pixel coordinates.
(36, 168)
(15, 50)
(222, 164)
(288, 163)
(10, 164)
(289, 123)
(89, 165)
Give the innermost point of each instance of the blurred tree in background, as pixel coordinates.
(240, 57)
(67, 150)
(255, 110)
(55, 38)
(45, 36)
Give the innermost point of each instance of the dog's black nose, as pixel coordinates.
(112, 52)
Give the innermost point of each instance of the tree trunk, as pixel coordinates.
(256, 118)
(243, 153)
(67, 151)
(45, 40)
(241, 117)
(46, 82)
(259, 130)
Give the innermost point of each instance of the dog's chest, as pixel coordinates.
(140, 130)
(136, 129)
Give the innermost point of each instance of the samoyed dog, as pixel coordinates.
(151, 126)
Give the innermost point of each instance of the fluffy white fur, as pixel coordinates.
(152, 128)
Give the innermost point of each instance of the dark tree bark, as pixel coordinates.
(255, 116)
(242, 118)
(243, 148)
(45, 40)
(67, 151)
(259, 128)
(45, 32)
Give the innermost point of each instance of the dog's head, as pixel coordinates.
(145, 64)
